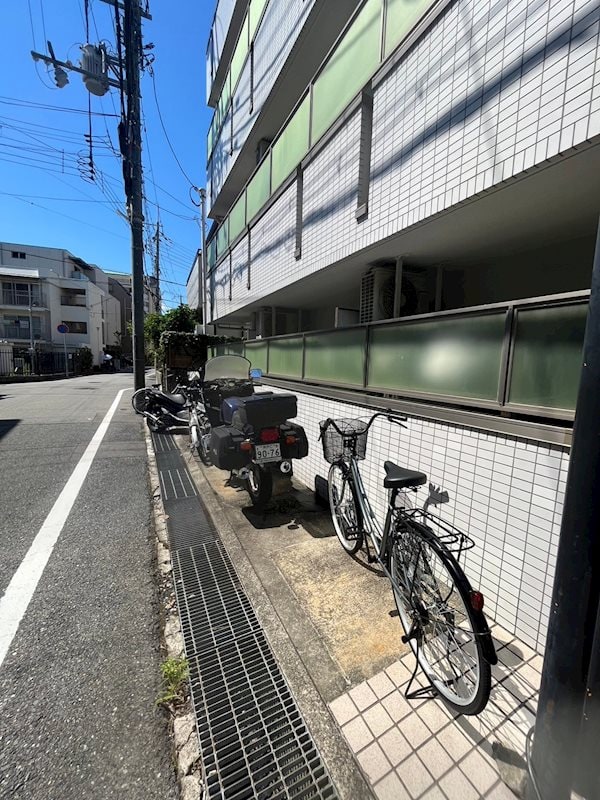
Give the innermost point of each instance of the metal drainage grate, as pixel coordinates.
(254, 743)
(187, 524)
(212, 596)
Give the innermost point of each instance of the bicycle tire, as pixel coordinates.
(345, 511)
(469, 696)
(139, 400)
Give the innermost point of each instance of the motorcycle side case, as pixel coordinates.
(225, 450)
(264, 410)
(300, 448)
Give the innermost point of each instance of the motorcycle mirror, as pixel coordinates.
(256, 373)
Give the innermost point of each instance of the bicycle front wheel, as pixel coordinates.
(344, 510)
(432, 597)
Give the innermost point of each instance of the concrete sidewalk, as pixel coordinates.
(336, 623)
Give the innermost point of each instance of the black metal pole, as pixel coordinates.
(587, 774)
(576, 593)
(132, 33)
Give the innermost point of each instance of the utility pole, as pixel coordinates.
(132, 34)
(567, 728)
(156, 238)
(202, 276)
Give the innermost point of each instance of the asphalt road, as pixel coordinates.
(77, 688)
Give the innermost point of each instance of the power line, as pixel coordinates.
(15, 101)
(58, 199)
(162, 125)
(73, 219)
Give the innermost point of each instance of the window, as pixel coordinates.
(18, 254)
(76, 327)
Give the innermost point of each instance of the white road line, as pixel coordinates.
(17, 597)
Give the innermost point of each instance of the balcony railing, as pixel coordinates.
(11, 297)
(73, 300)
(522, 357)
(20, 332)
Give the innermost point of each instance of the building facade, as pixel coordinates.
(43, 287)
(407, 209)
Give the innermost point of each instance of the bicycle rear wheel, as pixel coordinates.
(344, 510)
(432, 597)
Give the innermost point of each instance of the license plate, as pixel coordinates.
(267, 452)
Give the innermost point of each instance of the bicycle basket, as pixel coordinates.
(350, 439)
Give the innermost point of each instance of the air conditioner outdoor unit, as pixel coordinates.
(377, 294)
(378, 288)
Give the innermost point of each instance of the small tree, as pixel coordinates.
(181, 319)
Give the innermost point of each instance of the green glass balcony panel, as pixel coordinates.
(212, 253)
(239, 56)
(292, 145)
(224, 99)
(256, 353)
(547, 356)
(237, 218)
(234, 349)
(349, 68)
(259, 189)
(285, 357)
(336, 357)
(222, 238)
(210, 139)
(451, 357)
(254, 15)
(401, 17)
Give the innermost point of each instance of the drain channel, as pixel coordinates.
(254, 743)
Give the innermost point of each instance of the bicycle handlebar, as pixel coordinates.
(389, 414)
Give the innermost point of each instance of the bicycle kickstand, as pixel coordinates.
(423, 692)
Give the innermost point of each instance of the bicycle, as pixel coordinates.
(442, 615)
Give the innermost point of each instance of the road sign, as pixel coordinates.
(62, 328)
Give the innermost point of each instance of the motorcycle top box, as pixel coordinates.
(264, 410)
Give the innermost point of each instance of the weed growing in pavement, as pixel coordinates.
(174, 674)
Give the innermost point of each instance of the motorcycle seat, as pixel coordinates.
(178, 399)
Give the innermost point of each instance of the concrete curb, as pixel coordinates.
(182, 725)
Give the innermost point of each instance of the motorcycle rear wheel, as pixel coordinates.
(139, 400)
(259, 485)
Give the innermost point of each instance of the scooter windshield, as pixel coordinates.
(236, 367)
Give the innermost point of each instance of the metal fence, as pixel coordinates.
(523, 357)
(22, 361)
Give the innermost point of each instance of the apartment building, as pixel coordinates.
(406, 204)
(42, 287)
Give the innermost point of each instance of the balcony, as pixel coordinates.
(18, 297)
(21, 333)
(73, 300)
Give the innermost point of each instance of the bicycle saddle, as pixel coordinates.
(399, 478)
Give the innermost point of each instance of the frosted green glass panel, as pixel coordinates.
(258, 190)
(336, 357)
(452, 357)
(224, 100)
(292, 145)
(285, 357)
(212, 253)
(210, 139)
(547, 356)
(239, 55)
(254, 13)
(222, 239)
(237, 218)
(235, 349)
(401, 16)
(256, 353)
(351, 65)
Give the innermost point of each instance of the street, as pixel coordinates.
(80, 678)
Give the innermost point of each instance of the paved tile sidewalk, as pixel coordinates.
(418, 749)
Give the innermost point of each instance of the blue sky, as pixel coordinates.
(45, 197)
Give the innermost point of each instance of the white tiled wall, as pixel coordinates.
(492, 88)
(506, 493)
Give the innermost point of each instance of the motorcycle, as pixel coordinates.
(164, 411)
(245, 432)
